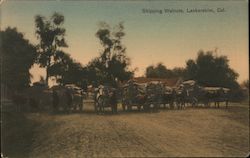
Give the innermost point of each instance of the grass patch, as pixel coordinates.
(16, 134)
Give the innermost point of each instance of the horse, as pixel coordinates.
(215, 95)
(105, 97)
(154, 93)
(180, 99)
(168, 98)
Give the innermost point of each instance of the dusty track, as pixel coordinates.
(189, 132)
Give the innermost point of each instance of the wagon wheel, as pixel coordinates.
(124, 105)
(146, 107)
(156, 106)
(95, 106)
(81, 106)
(227, 102)
(129, 107)
(139, 107)
(171, 104)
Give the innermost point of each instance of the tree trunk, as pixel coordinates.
(47, 77)
(47, 73)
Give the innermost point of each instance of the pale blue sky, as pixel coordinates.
(150, 38)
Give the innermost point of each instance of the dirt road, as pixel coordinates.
(190, 132)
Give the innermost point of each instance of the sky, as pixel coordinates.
(170, 38)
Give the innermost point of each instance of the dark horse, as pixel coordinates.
(218, 97)
(207, 95)
(168, 98)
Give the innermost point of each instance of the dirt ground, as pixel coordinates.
(168, 133)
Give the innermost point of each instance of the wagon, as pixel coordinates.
(105, 97)
(70, 97)
(133, 95)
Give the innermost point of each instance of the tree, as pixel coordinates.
(191, 70)
(211, 70)
(112, 65)
(245, 84)
(66, 70)
(51, 35)
(161, 71)
(178, 72)
(17, 57)
(94, 72)
(150, 72)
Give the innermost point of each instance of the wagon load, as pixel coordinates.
(168, 90)
(67, 97)
(156, 91)
(78, 95)
(168, 97)
(188, 92)
(134, 94)
(188, 85)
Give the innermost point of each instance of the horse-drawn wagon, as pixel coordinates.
(133, 95)
(149, 95)
(68, 97)
(105, 97)
(217, 95)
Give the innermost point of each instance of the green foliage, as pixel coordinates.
(17, 57)
(94, 72)
(211, 70)
(112, 64)
(245, 84)
(191, 69)
(178, 72)
(161, 71)
(207, 69)
(51, 35)
(66, 70)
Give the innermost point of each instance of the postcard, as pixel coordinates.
(124, 78)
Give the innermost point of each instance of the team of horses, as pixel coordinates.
(144, 96)
(154, 95)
